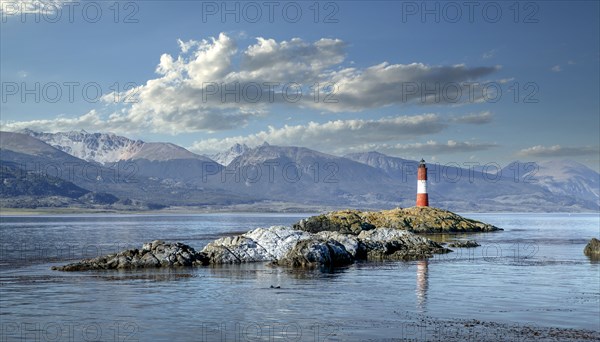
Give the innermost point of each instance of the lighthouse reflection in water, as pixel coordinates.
(422, 284)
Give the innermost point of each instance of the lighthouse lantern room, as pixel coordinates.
(422, 197)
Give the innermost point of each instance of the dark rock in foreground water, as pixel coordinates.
(463, 244)
(153, 254)
(592, 249)
(415, 219)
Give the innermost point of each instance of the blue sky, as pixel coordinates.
(394, 68)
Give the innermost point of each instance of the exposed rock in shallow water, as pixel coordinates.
(261, 244)
(280, 245)
(463, 244)
(350, 242)
(316, 252)
(286, 246)
(394, 244)
(415, 219)
(592, 249)
(154, 254)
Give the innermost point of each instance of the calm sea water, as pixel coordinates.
(532, 273)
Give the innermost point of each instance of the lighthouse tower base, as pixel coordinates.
(422, 200)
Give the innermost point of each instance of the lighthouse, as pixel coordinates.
(422, 198)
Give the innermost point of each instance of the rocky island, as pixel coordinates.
(422, 220)
(334, 239)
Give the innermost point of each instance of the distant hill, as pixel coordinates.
(15, 181)
(567, 178)
(302, 175)
(29, 189)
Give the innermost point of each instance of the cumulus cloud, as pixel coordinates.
(213, 85)
(556, 68)
(339, 136)
(387, 84)
(474, 118)
(559, 151)
(201, 90)
(290, 61)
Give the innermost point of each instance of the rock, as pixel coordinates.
(261, 244)
(149, 260)
(395, 244)
(279, 245)
(154, 254)
(316, 252)
(592, 249)
(350, 242)
(345, 222)
(289, 247)
(415, 219)
(463, 244)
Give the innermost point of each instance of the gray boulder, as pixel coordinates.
(283, 246)
(261, 244)
(350, 242)
(394, 244)
(463, 244)
(155, 254)
(316, 252)
(290, 247)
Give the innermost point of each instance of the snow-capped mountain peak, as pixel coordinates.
(108, 147)
(226, 157)
(92, 147)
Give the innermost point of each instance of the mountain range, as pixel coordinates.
(155, 175)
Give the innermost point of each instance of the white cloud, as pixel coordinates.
(558, 151)
(387, 84)
(289, 61)
(556, 68)
(211, 85)
(191, 94)
(474, 118)
(333, 136)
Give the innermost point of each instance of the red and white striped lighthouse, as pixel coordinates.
(422, 197)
